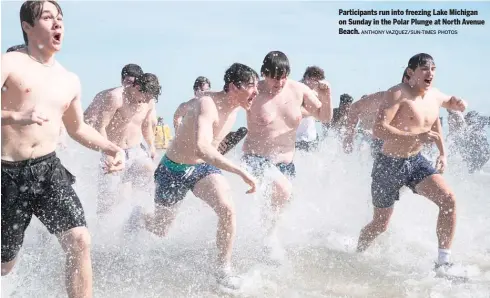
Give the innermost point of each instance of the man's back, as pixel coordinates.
(29, 86)
(93, 111)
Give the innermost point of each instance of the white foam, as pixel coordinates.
(331, 204)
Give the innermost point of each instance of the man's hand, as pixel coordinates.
(250, 180)
(31, 116)
(429, 137)
(458, 104)
(114, 163)
(153, 151)
(323, 86)
(441, 163)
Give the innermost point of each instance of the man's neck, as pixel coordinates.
(40, 54)
(225, 102)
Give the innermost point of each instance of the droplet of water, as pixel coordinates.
(4, 88)
(41, 46)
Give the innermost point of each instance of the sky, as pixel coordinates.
(179, 41)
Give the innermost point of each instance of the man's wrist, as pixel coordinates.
(111, 149)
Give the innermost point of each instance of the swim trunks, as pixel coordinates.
(42, 187)
(260, 164)
(390, 174)
(376, 146)
(307, 146)
(135, 156)
(173, 180)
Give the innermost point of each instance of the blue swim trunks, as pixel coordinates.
(173, 180)
(390, 174)
(260, 164)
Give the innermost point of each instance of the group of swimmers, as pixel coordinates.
(39, 96)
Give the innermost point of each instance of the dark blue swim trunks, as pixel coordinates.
(390, 174)
(376, 146)
(173, 180)
(260, 164)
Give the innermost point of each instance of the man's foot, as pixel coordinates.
(444, 271)
(227, 281)
(135, 221)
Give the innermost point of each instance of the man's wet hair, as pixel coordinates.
(148, 83)
(200, 82)
(31, 11)
(314, 72)
(16, 48)
(346, 99)
(420, 59)
(239, 74)
(275, 65)
(405, 74)
(131, 70)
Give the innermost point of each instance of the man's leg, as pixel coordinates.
(280, 192)
(377, 226)
(215, 191)
(161, 220)
(78, 277)
(435, 189)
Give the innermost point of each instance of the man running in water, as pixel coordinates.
(38, 95)
(192, 162)
(201, 85)
(306, 133)
(272, 122)
(125, 115)
(364, 111)
(407, 119)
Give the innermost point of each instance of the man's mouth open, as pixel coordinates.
(57, 37)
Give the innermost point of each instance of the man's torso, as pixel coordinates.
(50, 90)
(184, 145)
(272, 123)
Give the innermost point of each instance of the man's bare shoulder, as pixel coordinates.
(112, 96)
(395, 94)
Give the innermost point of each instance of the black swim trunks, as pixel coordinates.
(376, 146)
(40, 187)
(260, 164)
(390, 174)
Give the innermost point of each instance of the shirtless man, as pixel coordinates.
(364, 112)
(407, 119)
(272, 122)
(192, 162)
(201, 85)
(38, 94)
(306, 133)
(125, 115)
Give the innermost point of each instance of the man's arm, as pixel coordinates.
(319, 106)
(8, 117)
(147, 128)
(207, 115)
(437, 127)
(82, 132)
(452, 102)
(179, 113)
(389, 108)
(105, 106)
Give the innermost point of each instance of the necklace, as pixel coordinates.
(38, 61)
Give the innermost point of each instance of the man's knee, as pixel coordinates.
(76, 240)
(448, 203)
(282, 189)
(7, 267)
